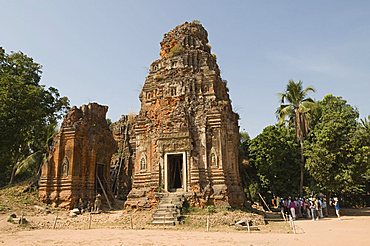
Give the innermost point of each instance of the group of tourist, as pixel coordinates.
(310, 208)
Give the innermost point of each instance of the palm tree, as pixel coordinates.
(30, 163)
(365, 123)
(296, 107)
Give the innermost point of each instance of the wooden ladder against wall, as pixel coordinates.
(105, 193)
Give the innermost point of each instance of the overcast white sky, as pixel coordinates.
(100, 50)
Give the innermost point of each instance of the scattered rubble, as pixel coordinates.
(12, 218)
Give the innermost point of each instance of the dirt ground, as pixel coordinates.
(353, 229)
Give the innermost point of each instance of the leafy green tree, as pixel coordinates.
(275, 156)
(27, 111)
(360, 154)
(296, 107)
(337, 150)
(363, 155)
(248, 173)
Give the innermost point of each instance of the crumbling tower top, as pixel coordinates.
(187, 36)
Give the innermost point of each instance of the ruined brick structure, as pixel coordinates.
(186, 134)
(79, 158)
(185, 138)
(123, 160)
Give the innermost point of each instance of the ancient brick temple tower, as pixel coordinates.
(78, 163)
(187, 135)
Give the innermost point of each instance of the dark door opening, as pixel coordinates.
(100, 175)
(174, 163)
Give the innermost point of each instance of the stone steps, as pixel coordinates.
(164, 222)
(273, 216)
(169, 208)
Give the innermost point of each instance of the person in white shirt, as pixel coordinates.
(320, 208)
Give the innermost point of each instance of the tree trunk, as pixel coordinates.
(12, 175)
(302, 169)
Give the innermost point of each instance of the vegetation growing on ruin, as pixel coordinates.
(177, 49)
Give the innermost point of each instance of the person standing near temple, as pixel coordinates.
(317, 208)
(313, 209)
(325, 207)
(292, 207)
(321, 214)
(337, 207)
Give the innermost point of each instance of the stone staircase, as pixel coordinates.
(169, 209)
(273, 216)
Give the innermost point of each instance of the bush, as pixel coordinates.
(211, 209)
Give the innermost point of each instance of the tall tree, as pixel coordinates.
(360, 148)
(275, 157)
(363, 155)
(296, 106)
(338, 148)
(27, 111)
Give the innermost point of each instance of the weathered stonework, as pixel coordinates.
(81, 152)
(185, 138)
(123, 160)
(186, 134)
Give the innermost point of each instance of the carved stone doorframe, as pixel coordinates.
(184, 170)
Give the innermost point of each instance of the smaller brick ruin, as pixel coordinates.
(79, 158)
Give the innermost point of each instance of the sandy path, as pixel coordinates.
(352, 230)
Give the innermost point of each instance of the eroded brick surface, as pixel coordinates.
(186, 117)
(81, 150)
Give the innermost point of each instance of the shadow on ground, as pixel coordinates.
(355, 211)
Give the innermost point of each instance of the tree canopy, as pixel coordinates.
(28, 110)
(327, 136)
(337, 149)
(275, 156)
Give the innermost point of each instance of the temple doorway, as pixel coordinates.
(175, 172)
(99, 178)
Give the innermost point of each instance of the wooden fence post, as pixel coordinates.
(55, 221)
(131, 222)
(90, 221)
(208, 222)
(249, 229)
(292, 225)
(284, 216)
(21, 220)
